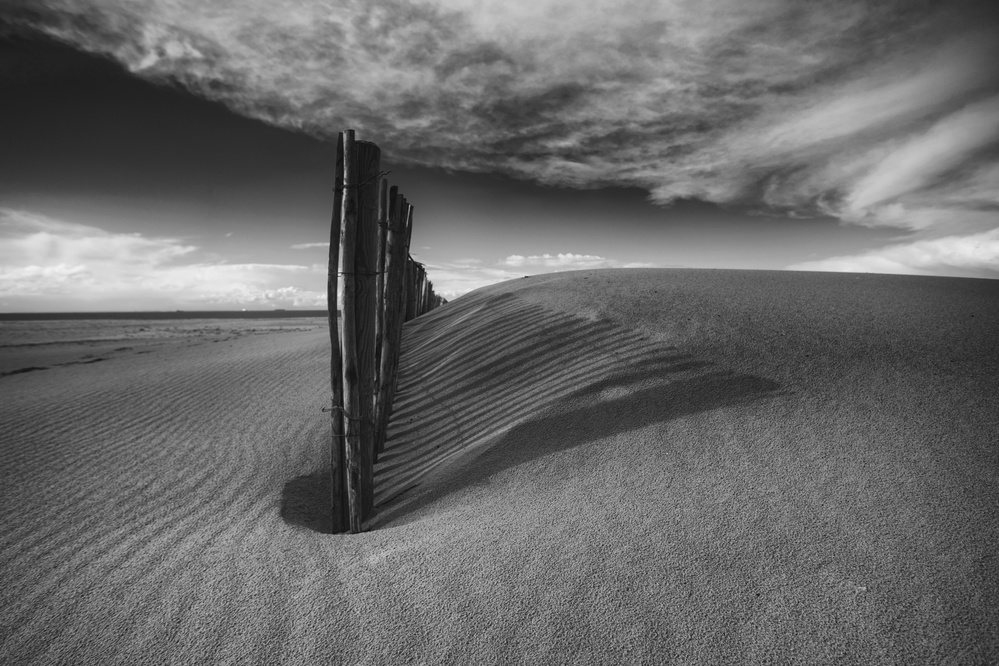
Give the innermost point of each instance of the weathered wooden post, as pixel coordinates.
(410, 273)
(411, 287)
(422, 281)
(418, 290)
(406, 231)
(423, 289)
(383, 222)
(338, 492)
(365, 302)
(426, 291)
(404, 263)
(348, 334)
(395, 246)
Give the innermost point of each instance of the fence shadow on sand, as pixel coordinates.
(491, 382)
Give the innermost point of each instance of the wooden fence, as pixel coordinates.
(376, 286)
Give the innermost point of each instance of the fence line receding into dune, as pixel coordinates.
(376, 286)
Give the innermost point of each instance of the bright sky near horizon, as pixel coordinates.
(176, 154)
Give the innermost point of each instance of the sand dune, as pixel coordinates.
(596, 467)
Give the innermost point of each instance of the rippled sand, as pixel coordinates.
(629, 466)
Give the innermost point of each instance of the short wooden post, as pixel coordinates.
(365, 301)
(338, 495)
(348, 334)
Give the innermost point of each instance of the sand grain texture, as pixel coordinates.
(593, 467)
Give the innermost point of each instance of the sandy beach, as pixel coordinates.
(597, 467)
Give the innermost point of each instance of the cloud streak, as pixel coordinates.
(975, 255)
(566, 261)
(871, 111)
(918, 162)
(563, 261)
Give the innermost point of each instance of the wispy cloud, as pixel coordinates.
(567, 261)
(560, 261)
(860, 109)
(975, 255)
(927, 157)
(52, 264)
(309, 246)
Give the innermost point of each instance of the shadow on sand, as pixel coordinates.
(305, 502)
(493, 382)
(562, 429)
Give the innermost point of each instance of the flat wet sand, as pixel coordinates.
(27, 346)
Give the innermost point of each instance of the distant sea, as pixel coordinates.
(176, 314)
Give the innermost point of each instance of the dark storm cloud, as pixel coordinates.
(861, 109)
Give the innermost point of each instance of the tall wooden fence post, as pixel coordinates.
(348, 334)
(365, 304)
(338, 495)
(418, 282)
(410, 289)
(423, 290)
(380, 298)
(410, 275)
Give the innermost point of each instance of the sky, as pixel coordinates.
(178, 154)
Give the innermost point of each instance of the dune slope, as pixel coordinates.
(593, 467)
